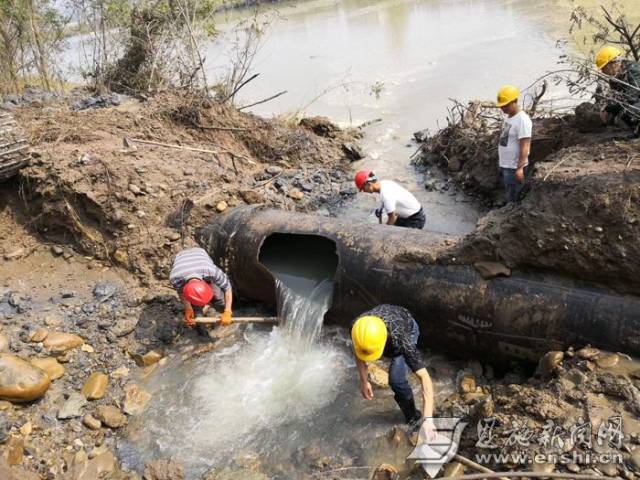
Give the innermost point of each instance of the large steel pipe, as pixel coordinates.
(521, 316)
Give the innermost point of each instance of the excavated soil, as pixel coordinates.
(580, 211)
(580, 218)
(93, 185)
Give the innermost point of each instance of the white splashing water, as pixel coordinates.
(255, 397)
(302, 314)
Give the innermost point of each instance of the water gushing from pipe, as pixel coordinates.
(258, 396)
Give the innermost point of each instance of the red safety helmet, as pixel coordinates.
(198, 292)
(362, 177)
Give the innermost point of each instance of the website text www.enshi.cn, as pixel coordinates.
(526, 458)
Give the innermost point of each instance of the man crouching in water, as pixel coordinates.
(199, 282)
(391, 331)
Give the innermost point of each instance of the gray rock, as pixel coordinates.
(319, 178)
(348, 188)
(135, 189)
(305, 186)
(353, 151)
(88, 308)
(100, 101)
(104, 290)
(72, 407)
(125, 326)
(15, 300)
(5, 427)
(280, 184)
(12, 98)
(273, 170)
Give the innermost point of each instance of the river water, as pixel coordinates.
(331, 55)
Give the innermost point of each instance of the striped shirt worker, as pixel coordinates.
(196, 263)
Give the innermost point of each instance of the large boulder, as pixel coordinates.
(96, 386)
(50, 365)
(20, 381)
(59, 342)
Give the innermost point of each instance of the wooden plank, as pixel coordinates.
(265, 320)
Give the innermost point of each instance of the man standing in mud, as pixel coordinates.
(624, 106)
(403, 209)
(515, 142)
(199, 282)
(391, 331)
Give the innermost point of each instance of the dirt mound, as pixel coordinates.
(130, 184)
(580, 218)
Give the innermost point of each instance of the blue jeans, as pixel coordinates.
(398, 372)
(512, 186)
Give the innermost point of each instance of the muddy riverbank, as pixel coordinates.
(129, 185)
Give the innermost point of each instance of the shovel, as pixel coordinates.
(263, 320)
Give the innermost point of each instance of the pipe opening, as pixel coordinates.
(301, 262)
(304, 267)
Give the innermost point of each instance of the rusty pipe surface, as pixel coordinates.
(522, 316)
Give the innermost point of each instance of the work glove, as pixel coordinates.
(225, 318)
(189, 320)
(378, 213)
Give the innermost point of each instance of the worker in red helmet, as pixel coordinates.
(402, 208)
(199, 282)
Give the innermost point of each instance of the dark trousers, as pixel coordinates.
(398, 382)
(512, 186)
(417, 220)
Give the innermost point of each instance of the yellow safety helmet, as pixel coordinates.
(369, 335)
(506, 95)
(607, 54)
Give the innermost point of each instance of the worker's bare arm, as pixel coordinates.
(391, 218)
(525, 148)
(365, 385)
(228, 300)
(427, 391)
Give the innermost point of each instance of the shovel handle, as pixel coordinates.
(213, 320)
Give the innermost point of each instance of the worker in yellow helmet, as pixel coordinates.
(391, 331)
(515, 142)
(624, 106)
